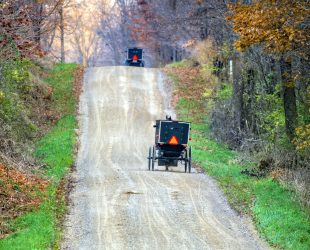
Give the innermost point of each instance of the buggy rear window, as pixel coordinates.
(135, 52)
(168, 129)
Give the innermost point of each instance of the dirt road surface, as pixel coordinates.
(117, 203)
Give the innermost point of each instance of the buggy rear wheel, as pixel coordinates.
(150, 158)
(153, 158)
(189, 159)
(185, 165)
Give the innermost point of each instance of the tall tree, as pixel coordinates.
(62, 34)
(24, 23)
(282, 27)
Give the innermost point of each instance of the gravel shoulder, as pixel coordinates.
(117, 203)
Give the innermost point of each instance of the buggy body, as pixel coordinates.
(171, 145)
(135, 57)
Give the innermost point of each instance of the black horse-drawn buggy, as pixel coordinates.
(171, 145)
(135, 57)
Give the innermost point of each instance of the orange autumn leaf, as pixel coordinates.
(279, 25)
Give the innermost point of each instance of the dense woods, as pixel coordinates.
(248, 64)
(281, 29)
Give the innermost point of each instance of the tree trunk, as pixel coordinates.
(85, 60)
(173, 4)
(273, 78)
(302, 67)
(289, 98)
(37, 22)
(62, 36)
(250, 109)
(238, 89)
(174, 54)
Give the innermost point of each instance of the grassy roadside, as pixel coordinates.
(278, 216)
(39, 229)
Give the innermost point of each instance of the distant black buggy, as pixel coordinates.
(171, 145)
(135, 57)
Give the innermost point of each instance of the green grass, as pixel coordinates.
(279, 218)
(39, 229)
(56, 148)
(179, 64)
(59, 78)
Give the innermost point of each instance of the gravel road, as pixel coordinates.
(117, 203)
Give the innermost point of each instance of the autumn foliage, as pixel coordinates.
(24, 24)
(16, 32)
(282, 29)
(302, 139)
(192, 85)
(280, 25)
(19, 193)
(140, 26)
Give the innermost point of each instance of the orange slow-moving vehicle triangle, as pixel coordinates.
(173, 140)
(135, 58)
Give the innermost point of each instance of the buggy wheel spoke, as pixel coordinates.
(153, 158)
(149, 158)
(190, 159)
